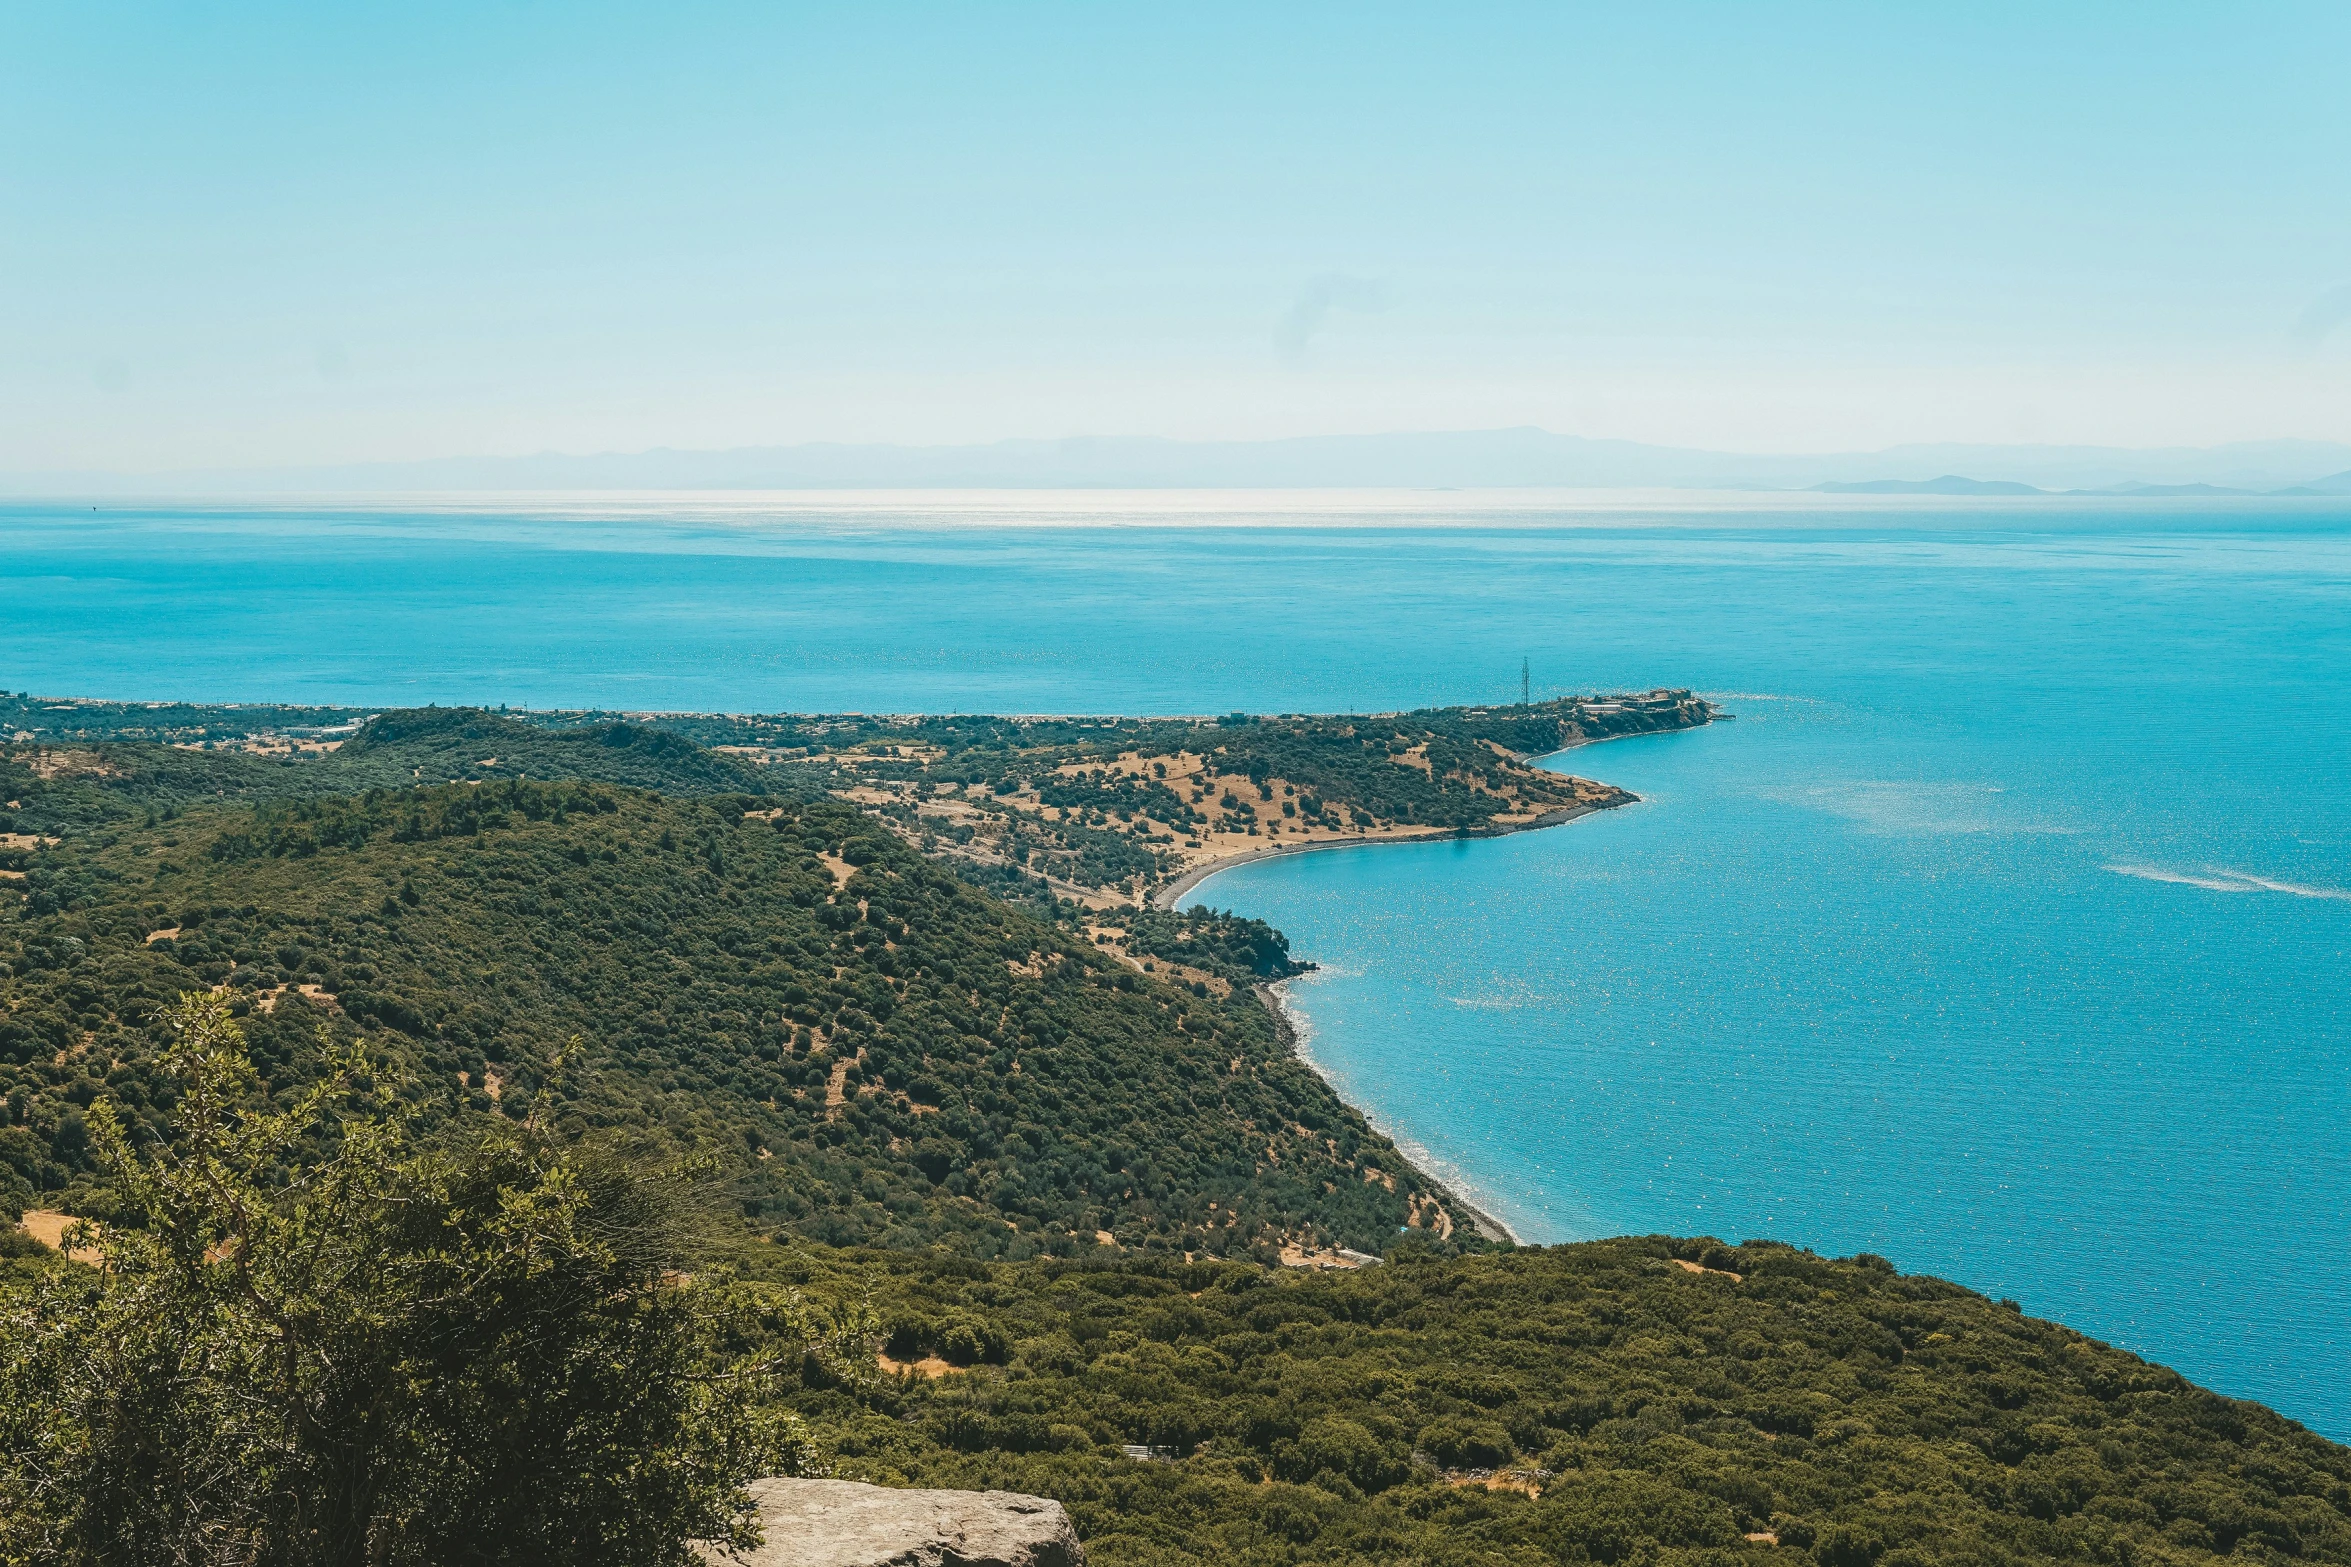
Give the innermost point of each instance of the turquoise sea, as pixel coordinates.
(2004, 932)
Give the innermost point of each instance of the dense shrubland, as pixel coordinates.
(878, 1052)
(1778, 1408)
(493, 1021)
(318, 1338)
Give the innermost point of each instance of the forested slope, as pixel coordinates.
(877, 1050)
(68, 785)
(1061, 1166)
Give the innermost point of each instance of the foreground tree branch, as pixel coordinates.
(318, 1337)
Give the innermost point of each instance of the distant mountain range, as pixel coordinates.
(1953, 484)
(1464, 459)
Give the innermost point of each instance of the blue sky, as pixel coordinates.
(282, 234)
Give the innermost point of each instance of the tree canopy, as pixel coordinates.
(1678, 1403)
(315, 1339)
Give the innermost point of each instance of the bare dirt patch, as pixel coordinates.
(836, 1088)
(1426, 1213)
(1523, 1482)
(267, 1000)
(46, 763)
(928, 1366)
(49, 1226)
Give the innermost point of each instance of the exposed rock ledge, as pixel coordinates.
(841, 1523)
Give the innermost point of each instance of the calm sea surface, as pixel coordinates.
(2004, 933)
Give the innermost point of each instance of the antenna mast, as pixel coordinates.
(1523, 701)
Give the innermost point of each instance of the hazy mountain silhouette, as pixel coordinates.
(1460, 459)
(1948, 484)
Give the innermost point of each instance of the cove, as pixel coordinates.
(1973, 1017)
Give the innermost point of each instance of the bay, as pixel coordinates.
(2003, 933)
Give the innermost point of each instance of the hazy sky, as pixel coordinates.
(237, 234)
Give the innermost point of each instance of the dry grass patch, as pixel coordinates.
(48, 1226)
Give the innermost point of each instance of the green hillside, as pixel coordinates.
(881, 1052)
(1056, 1162)
(431, 745)
(1121, 804)
(1093, 805)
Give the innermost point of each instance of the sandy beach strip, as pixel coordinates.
(1168, 896)
(1293, 1035)
(1275, 996)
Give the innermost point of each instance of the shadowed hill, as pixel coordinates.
(69, 784)
(446, 744)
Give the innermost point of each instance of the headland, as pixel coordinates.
(1093, 826)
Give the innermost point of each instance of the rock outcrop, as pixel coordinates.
(841, 1523)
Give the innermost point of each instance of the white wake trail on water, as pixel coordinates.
(1920, 807)
(1508, 995)
(2215, 880)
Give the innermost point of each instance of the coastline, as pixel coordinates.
(1275, 997)
(1166, 898)
(1276, 1000)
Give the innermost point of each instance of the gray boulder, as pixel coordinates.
(842, 1523)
